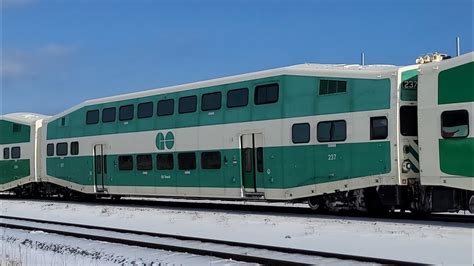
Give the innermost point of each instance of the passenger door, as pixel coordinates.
(100, 167)
(252, 162)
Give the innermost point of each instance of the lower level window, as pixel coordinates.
(165, 161)
(455, 124)
(74, 148)
(187, 161)
(300, 133)
(378, 128)
(125, 162)
(50, 149)
(144, 162)
(211, 160)
(61, 149)
(16, 152)
(6, 153)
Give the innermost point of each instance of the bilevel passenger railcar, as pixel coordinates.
(288, 134)
(446, 132)
(18, 133)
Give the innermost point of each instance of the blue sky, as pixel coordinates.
(57, 53)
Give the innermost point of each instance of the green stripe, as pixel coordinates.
(298, 97)
(7, 136)
(456, 85)
(290, 167)
(12, 170)
(456, 156)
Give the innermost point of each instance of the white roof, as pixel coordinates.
(24, 118)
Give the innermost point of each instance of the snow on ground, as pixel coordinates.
(420, 241)
(19, 247)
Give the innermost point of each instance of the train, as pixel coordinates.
(334, 136)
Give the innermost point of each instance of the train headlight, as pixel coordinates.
(406, 166)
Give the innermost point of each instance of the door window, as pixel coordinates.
(455, 124)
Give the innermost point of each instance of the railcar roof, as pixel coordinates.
(24, 118)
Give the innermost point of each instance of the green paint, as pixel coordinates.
(456, 156)
(298, 97)
(12, 170)
(9, 136)
(456, 85)
(289, 167)
(412, 77)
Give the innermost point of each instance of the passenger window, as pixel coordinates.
(187, 161)
(165, 107)
(6, 153)
(237, 98)
(50, 149)
(126, 112)
(165, 161)
(332, 86)
(332, 131)
(300, 133)
(187, 104)
(16, 152)
(378, 127)
(92, 117)
(266, 94)
(455, 124)
(408, 121)
(145, 110)
(211, 160)
(61, 149)
(211, 101)
(109, 115)
(125, 162)
(74, 148)
(144, 162)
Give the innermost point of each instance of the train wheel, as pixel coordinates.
(315, 203)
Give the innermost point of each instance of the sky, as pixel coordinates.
(58, 53)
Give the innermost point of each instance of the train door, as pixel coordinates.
(100, 167)
(252, 162)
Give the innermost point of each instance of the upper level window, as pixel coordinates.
(455, 124)
(378, 127)
(211, 101)
(332, 131)
(265, 94)
(237, 98)
(125, 162)
(16, 128)
(165, 107)
(50, 149)
(332, 86)
(92, 117)
(187, 161)
(74, 148)
(144, 162)
(16, 152)
(61, 149)
(187, 104)
(300, 133)
(408, 121)
(211, 160)
(145, 110)
(165, 161)
(6, 153)
(109, 114)
(126, 112)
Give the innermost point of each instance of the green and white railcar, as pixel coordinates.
(284, 134)
(18, 133)
(446, 115)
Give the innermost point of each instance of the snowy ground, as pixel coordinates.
(420, 241)
(18, 247)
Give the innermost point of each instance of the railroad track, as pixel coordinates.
(238, 251)
(255, 208)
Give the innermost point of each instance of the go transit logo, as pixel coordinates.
(165, 141)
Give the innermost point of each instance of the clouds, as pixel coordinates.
(21, 64)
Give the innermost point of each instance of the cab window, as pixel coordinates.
(455, 124)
